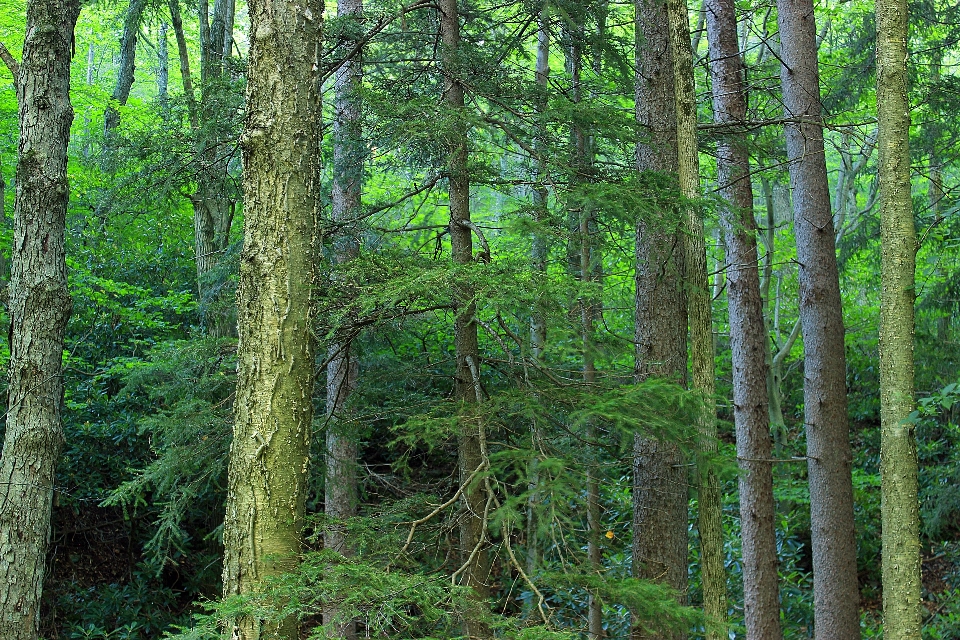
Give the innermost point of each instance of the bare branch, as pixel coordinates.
(10, 61)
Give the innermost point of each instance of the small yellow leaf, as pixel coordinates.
(610, 535)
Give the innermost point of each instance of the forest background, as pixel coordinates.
(153, 245)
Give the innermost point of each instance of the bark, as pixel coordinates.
(128, 54)
(163, 67)
(538, 259)
(833, 541)
(898, 459)
(213, 200)
(702, 350)
(341, 491)
(659, 477)
(761, 600)
(275, 354)
(184, 55)
(472, 445)
(39, 305)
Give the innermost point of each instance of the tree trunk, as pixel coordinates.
(761, 601)
(163, 67)
(275, 356)
(340, 487)
(538, 259)
(475, 557)
(700, 318)
(121, 91)
(834, 547)
(898, 463)
(659, 477)
(39, 306)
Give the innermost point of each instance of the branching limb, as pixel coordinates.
(10, 61)
(432, 514)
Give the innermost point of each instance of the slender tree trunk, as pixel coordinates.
(700, 318)
(472, 443)
(835, 591)
(267, 479)
(761, 600)
(128, 54)
(898, 458)
(538, 259)
(341, 491)
(39, 306)
(183, 53)
(163, 67)
(659, 476)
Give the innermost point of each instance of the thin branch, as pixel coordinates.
(10, 61)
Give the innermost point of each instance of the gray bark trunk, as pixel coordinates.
(836, 596)
(39, 306)
(275, 355)
(761, 599)
(659, 477)
(163, 67)
(340, 487)
(902, 608)
(128, 54)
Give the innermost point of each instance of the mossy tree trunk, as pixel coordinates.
(275, 355)
(700, 319)
(898, 450)
(39, 306)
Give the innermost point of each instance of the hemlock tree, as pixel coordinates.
(898, 456)
(761, 600)
(340, 485)
(275, 354)
(471, 449)
(39, 307)
(833, 538)
(702, 350)
(659, 476)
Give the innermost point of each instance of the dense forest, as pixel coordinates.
(535, 320)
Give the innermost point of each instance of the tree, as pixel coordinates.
(700, 316)
(471, 448)
(833, 541)
(39, 307)
(900, 508)
(267, 480)
(761, 600)
(343, 370)
(659, 477)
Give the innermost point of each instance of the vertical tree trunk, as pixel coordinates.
(275, 355)
(659, 477)
(700, 318)
(163, 67)
(39, 306)
(747, 331)
(340, 487)
(898, 458)
(128, 54)
(472, 444)
(829, 462)
(538, 259)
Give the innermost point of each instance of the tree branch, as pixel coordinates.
(10, 61)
